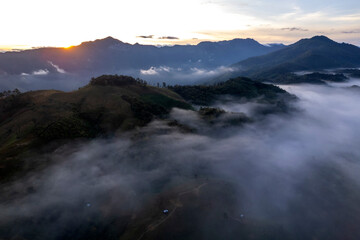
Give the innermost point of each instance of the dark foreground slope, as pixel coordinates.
(278, 178)
(69, 169)
(108, 105)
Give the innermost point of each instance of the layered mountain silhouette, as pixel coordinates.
(112, 55)
(314, 54)
(69, 68)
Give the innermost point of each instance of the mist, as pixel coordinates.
(44, 80)
(183, 75)
(291, 175)
(63, 81)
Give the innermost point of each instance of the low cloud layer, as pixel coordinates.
(58, 69)
(182, 75)
(44, 79)
(297, 171)
(62, 80)
(41, 72)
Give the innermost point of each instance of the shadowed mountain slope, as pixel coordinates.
(109, 54)
(314, 54)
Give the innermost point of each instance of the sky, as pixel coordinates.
(64, 23)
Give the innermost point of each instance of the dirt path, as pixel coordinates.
(153, 226)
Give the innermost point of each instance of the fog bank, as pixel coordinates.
(296, 172)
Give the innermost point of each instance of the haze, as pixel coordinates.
(27, 24)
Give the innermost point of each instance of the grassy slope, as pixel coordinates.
(30, 120)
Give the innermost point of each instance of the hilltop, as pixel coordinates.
(107, 106)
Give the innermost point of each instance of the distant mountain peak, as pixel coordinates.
(321, 38)
(249, 40)
(104, 42)
(315, 42)
(311, 54)
(109, 40)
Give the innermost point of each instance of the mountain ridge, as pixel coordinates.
(316, 53)
(110, 54)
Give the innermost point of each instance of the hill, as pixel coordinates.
(107, 106)
(237, 87)
(314, 54)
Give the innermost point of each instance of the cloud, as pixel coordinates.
(155, 70)
(292, 29)
(169, 38)
(41, 72)
(58, 69)
(351, 32)
(182, 75)
(51, 80)
(150, 71)
(297, 171)
(147, 36)
(210, 73)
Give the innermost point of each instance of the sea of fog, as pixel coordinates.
(298, 170)
(43, 79)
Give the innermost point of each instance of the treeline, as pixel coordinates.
(237, 87)
(9, 93)
(117, 80)
(122, 80)
(10, 102)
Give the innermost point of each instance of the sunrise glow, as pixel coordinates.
(187, 21)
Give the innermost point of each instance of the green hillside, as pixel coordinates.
(107, 106)
(40, 121)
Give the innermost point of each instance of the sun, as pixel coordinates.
(69, 47)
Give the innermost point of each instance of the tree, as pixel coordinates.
(16, 91)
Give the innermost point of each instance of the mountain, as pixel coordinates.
(36, 126)
(109, 105)
(314, 54)
(109, 54)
